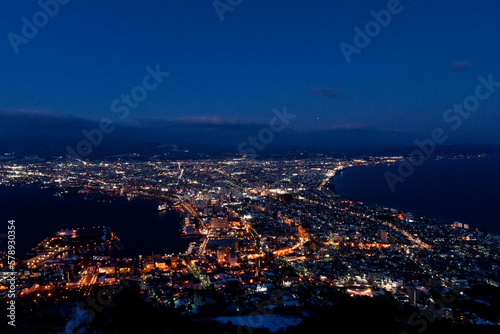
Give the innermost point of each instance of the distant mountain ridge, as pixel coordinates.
(46, 134)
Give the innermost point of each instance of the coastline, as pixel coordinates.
(363, 193)
(137, 222)
(331, 186)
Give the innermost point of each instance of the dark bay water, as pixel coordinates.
(447, 190)
(38, 214)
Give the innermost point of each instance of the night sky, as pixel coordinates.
(262, 55)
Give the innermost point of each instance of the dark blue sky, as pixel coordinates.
(263, 55)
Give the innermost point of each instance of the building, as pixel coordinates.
(219, 223)
(222, 254)
(382, 235)
(233, 259)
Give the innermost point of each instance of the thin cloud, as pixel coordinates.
(345, 126)
(199, 122)
(461, 65)
(326, 92)
(212, 120)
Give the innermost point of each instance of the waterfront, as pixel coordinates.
(446, 190)
(140, 227)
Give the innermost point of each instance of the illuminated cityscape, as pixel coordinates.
(253, 227)
(249, 167)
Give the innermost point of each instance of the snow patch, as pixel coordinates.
(271, 322)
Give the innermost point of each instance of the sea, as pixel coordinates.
(38, 213)
(464, 190)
